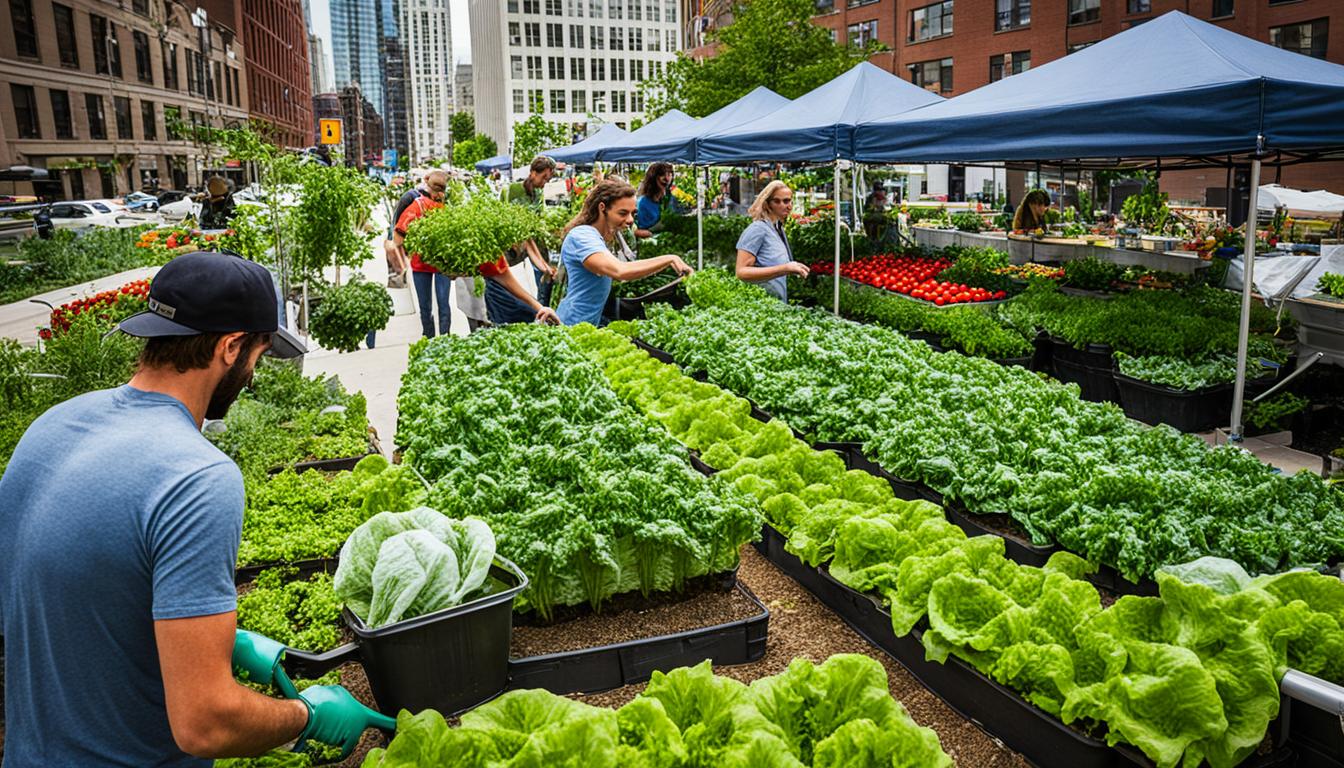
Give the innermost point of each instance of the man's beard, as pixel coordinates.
(235, 379)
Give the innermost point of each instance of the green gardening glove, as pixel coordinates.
(260, 657)
(337, 719)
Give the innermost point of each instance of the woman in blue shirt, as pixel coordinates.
(589, 264)
(653, 196)
(763, 252)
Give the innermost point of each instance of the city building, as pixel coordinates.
(279, 74)
(395, 45)
(355, 46)
(362, 128)
(463, 101)
(319, 59)
(576, 62)
(698, 18)
(427, 32)
(103, 96)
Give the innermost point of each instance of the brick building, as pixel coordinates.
(279, 73)
(362, 127)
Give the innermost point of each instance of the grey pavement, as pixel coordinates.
(21, 319)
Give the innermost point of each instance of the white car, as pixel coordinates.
(89, 213)
(176, 206)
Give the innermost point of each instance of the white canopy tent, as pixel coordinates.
(1319, 204)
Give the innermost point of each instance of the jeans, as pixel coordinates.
(503, 307)
(440, 284)
(543, 288)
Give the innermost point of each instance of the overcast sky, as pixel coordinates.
(461, 33)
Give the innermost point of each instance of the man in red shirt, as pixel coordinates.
(431, 285)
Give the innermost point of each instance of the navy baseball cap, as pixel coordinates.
(207, 292)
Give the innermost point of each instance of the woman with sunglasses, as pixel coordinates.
(763, 252)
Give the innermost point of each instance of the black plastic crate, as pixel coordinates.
(592, 670)
(1316, 735)
(1188, 410)
(673, 294)
(1094, 383)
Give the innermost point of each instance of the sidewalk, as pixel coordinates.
(21, 319)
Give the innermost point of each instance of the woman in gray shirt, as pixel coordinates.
(763, 252)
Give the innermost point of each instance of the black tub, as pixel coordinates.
(450, 660)
(1188, 410)
(633, 308)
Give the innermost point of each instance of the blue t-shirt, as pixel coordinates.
(587, 291)
(647, 212)
(114, 512)
(763, 240)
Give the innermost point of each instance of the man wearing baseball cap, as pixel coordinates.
(121, 525)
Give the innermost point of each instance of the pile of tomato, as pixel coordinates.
(112, 306)
(913, 276)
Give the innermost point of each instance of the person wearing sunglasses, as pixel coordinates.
(763, 253)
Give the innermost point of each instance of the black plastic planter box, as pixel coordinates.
(1015, 549)
(633, 308)
(1094, 383)
(1043, 358)
(303, 568)
(591, 670)
(1093, 355)
(1024, 361)
(450, 660)
(1316, 735)
(1188, 410)
(654, 352)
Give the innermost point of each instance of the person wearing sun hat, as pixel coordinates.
(121, 525)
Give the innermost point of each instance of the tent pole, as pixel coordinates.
(699, 221)
(1247, 280)
(837, 238)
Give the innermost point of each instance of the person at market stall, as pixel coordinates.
(875, 221)
(763, 252)
(501, 305)
(434, 286)
(1031, 212)
(586, 253)
(655, 196)
(397, 260)
(121, 525)
(217, 207)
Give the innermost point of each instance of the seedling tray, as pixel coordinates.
(633, 308)
(654, 352)
(303, 568)
(592, 670)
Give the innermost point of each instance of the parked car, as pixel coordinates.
(140, 201)
(88, 213)
(176, 205)
(114, 204)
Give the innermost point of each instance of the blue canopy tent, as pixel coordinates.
(496, 163)
(818, 127)
(585, 151)
(662, 127)
(677, 144)
(1189, 90)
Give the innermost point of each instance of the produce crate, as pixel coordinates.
(1043, 359)
(592, 670)
(303, 568)
(338, 464)
(449, 660)
(633, 308)
(1188, 410)
(1095, 382)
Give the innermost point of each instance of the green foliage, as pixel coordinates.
(1091, 274)
(252, 236)
(300, 613)
(314, 755)
(515, 426)
(750, 52)
(460, 236)
(298, 516)
(975, 266)
(678, 236)
(968, 221)
(934, 216)
(533, 136)
(70, 257)
(350, 312)
(1274, 411)
(1178, 372)
(462, 126)
(469, 152)
(326, 224)
(814, 240)
(1147, 209)
(838, 713)
(1332, 284)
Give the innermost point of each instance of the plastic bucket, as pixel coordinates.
(449, 660)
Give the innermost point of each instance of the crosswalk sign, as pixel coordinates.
(330, 131)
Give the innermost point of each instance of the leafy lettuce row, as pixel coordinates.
(838, 713)
(1163, 673)
(518, 428)
(1000, 439)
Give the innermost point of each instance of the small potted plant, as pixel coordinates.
(349, 313)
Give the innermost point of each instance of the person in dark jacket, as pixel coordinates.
(217, 207)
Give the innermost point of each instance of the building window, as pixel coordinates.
(534, 101)
(515, 33)
(512, 6)
(106, 52)
(140, 6)
(122, 106)
(931, 21)
(862, 33)
(636, 11)
(598, 34)
(576, 69)
(595, 8)
(532, 34)
(1307, 38)
(516, 67)
(172, 121)
(555, 8)
(933, 75)
(25, 111)
(170, 71)
(616, 10)
(671, 40)
(60, 113)
(857, 3)
(193, 86)
(599, 68)
(1138, 6)
(636, 101)
(1076, 47)
(144, 70)
(825, 6)
(575, 35)
(531, 6)
(228, 85)
(558, 101)
(555, 35)
(25, 30)
(1281, 2)
(555, 66)
(618, 70)
(1014, 63)
(599, 101)
(617, 39)
(637, 70)
(1011, 14)
(655, 40)
(1222, 8)
(636, 38)
(655, 11)
(578, 101)
(1084, 11)
(576, 8)
(147, 121)
(518, 104)
(534, 67)
(618, 101)
(670, 11)
(93, 103)
(65, 35)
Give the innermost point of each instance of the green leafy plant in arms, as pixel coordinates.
(348, 313)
